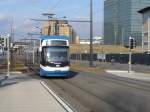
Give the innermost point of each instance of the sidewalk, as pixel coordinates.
(131, 75)
(21, 93)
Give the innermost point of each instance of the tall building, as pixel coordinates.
(121, 20)
(59, 27)
(145, 29)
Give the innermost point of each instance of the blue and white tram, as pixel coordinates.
(1, 49)
(54, 52)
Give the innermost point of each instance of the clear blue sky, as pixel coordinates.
(22, 10)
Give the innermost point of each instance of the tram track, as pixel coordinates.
(136, 84)
(90, 93)
(108, 101)
(99, 97)
(93, 101)
(84, 99)
(142, 88)
(133, 83)
(64, 84)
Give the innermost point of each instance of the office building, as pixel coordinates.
(146, 29)
(59, 27)
(121, 20)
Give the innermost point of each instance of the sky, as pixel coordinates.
(19, 13)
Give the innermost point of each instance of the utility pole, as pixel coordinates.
(91, 33)
(132, 44)
(115, 41)
(41, 32)
(8, 59)
(49, 27)
(122, 30)
(148, 36)
(142, 38)
(12, 31)
(130, 56)
(11, 44)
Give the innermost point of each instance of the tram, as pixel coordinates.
(54, 56)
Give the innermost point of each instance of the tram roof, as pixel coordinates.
(55, 37)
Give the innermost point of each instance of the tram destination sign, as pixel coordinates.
(56, 43)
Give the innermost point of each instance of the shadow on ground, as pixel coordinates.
(13, 79)
(7, 83)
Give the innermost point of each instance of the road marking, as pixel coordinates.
(65, 105)
(118, 71)
(131, 75)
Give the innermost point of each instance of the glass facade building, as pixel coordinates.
(122, 20)
(146, 29)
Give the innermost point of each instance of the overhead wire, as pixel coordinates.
(56, 5)
(75, 9)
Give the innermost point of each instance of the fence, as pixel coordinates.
(137, 58)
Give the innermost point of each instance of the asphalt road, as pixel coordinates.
(87, 92)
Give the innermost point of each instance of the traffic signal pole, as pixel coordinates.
(130, 56)
(130, 61)
(8, 59)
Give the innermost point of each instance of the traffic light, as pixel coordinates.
(132, 43)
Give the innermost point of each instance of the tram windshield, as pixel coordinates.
(52, 54)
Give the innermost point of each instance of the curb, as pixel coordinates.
(118, 71)
(63, 103)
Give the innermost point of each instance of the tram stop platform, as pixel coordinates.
(22, 93)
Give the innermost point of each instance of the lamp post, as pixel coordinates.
(91, 33)
(148, 35)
